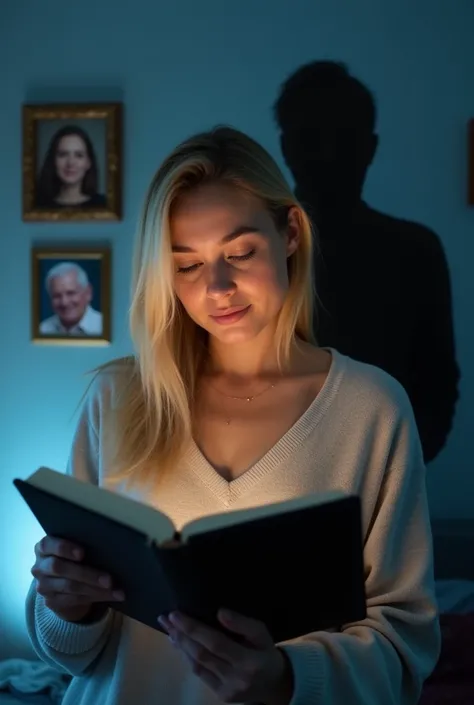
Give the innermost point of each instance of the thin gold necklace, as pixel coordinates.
(249, 398)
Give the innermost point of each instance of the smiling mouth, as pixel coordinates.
(231, 315)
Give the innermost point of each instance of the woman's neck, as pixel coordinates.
(255, 360)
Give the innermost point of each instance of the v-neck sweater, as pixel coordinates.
(358, 435)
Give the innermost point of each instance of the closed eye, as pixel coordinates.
(193, 267)
(186, 270)
(242, 258)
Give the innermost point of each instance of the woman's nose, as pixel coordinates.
(220, 282)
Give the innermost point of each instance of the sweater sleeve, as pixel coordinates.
(68, 645)
(387, 657)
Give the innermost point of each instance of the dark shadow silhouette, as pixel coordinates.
(383, 283)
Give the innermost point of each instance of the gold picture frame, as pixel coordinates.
(71, 304)
(72, 162)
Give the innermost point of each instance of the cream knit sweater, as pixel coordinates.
(358, 435)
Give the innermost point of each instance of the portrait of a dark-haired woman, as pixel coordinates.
(69, 174)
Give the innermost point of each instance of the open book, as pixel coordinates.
(296, 565)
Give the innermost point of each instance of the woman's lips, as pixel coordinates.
(230, 315)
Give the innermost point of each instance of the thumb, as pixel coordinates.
(252, 630)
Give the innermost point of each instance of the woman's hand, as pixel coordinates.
(69, 588)
(251, 669)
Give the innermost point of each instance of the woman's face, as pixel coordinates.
(230, 261)
(72, 160)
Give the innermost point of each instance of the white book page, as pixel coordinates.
(130, 512)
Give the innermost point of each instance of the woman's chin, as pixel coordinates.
(71, 181)
(235, 335)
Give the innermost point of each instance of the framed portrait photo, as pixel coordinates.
(72, 162)
(70, 296)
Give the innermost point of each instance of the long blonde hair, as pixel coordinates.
(154, 423)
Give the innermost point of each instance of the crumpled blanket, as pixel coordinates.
(33, 677)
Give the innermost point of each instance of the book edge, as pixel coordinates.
(152, 522)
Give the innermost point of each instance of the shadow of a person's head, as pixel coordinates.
(326, 119)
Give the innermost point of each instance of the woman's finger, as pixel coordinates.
(217, 643)
(200, 658)
(50, 586)
(253, 631)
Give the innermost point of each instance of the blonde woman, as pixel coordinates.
(228, 402)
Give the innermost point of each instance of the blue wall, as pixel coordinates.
(183, 66)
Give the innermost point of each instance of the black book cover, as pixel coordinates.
(297, 572)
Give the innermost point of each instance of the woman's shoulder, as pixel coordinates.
(110, 382)
(372, 388)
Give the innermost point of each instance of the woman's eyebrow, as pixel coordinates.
(237, 232)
